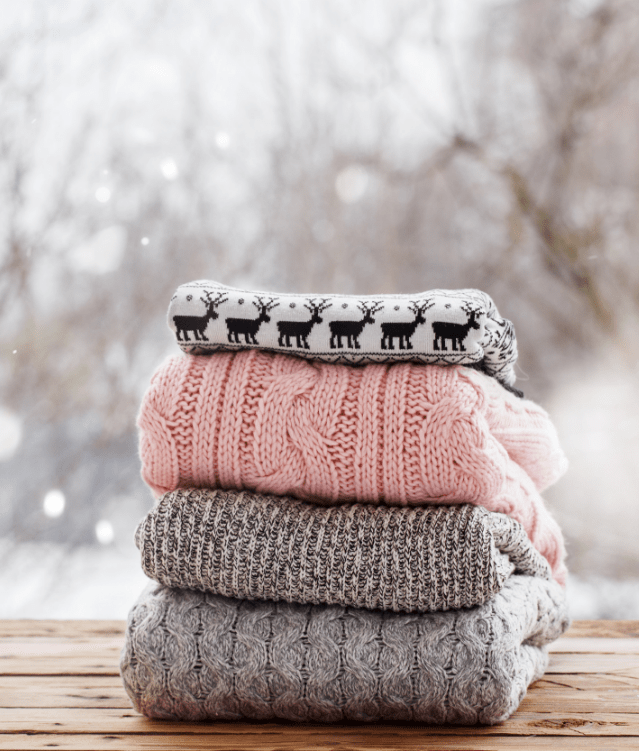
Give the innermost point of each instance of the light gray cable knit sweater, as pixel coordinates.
(251, 546)
(195, 656)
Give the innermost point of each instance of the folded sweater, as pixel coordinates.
(195, 656)
(250, 546)
(439, 326)
(399, 434)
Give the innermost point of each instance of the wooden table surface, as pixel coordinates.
(60, 689)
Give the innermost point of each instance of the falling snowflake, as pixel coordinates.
(169, 169)
(222, 140)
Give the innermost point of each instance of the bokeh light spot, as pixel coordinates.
(351, 183)
(103, 194)
(54, 503)
(10, 432)
(169, 169)
(104, 532)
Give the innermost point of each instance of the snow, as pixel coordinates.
(39, 580)
(600, 597)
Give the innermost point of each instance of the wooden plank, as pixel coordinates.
(63, 691)
(66, 629)
(573, 693)
(589, 681)
(117, 721)
(71, 629)
(37, 666)
(110, 647)
(102, 663)
(588, 699)
(613, 629)
(593, 663)
(296, 740)
(105, 648)
(603, 645)
(56, 656)
(599, 696)
(60, 647)
(10, 647)
(108, 665)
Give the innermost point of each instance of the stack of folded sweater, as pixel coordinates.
(349, 523)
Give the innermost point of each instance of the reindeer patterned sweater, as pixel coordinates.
(459, 327)
(400, 434)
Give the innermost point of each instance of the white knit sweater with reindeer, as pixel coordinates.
(461, 327)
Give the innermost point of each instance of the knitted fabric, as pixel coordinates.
(399, 434)
(195, 656)
(460, 327)
(249, 546)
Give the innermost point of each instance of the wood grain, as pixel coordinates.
(573, 693)
(90, 720)
(60, 689)
(106, 663)
(69, 665)
(591, 645)
(64, 629)
(614, 629)
(593, 663)
(294, 740)
(71, 629)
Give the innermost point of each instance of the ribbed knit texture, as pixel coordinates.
(398, 434)
(249, 546)
(195, 656)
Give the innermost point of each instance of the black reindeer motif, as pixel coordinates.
(403, 331)
(455, 332)
(301, 329)
(352, 329)
(198, 324)
(248, 327)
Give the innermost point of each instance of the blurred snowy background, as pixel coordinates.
(363, 146)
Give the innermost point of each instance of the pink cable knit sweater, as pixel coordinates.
(397, 434)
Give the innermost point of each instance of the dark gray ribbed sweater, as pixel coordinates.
(251, 546)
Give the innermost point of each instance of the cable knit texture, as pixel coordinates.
(249, 546)
(400, 434)
(195, 656)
